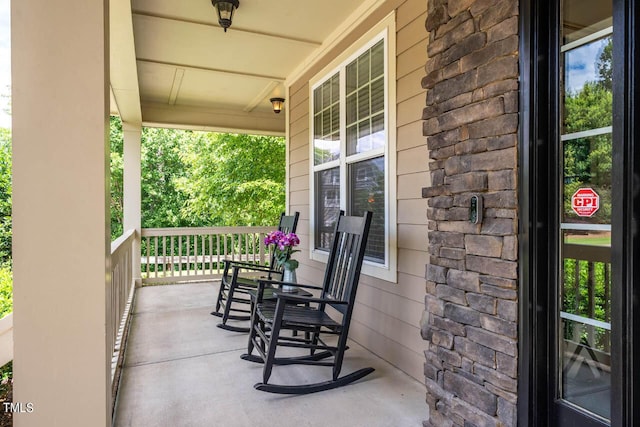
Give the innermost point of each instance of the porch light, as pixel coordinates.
(225, 9)
(277, 103)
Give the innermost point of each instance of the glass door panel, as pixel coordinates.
(584, 314)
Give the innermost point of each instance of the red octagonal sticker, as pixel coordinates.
(585, 202)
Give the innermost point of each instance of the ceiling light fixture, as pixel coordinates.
(225, 9)
(278, 104)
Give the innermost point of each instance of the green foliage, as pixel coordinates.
(235, 180)
(6, 276)
(6, 290)
(588, 161)
(192, 179)
(5, 196)
(162, 168)
(6, 372)
(116, 184)
(590, 108)
(579, 276)
(604, 65)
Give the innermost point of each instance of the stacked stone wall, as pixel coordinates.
(471, 124)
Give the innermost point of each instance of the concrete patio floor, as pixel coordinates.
(180, 370)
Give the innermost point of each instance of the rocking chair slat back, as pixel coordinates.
(345, 260)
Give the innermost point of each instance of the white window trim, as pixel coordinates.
(386, 29)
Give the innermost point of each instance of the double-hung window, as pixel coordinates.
(351, 122)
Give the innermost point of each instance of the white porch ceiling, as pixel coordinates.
(191, 74)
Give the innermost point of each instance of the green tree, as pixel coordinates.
(117, 197)
(587, 161)
(604, 65)
(6, 290)
(5, 196)
(192, 179)
(6, 275)
(235, 180)
(162, 168)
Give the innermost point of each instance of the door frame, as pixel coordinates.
(539, 132)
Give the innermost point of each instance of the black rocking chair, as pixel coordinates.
(240, 277)
(299, 313)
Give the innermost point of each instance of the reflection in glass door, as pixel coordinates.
(584, 314)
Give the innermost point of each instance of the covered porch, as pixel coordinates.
(181, 370)
(168, 64)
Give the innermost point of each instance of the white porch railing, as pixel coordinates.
(119, 298)
(183, 254)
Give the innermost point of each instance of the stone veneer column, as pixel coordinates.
(471, 123)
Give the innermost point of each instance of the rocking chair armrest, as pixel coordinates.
(297, 285)
(291, 297)
(249, 266)
(258, 268)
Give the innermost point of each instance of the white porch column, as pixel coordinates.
(132, 162)
(61, 240)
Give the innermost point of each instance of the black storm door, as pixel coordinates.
(580, 209)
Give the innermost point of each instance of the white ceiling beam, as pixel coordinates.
(175, 87)
(214, 70)
(267, 91)
(113, 104)
(215, 120)
(280, 37)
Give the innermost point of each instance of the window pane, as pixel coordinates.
(588, 94)
(363, 102)
(317, 135)
(377, 60)
(366, 100)
(335, 89)
(367, 193)
(326, 95)
(352, 108)
(327, 194)
(326, 150)
(364, 137)
(377, 132)
(352, 77)
(326, 123)
(585, 327)
(587, 164)
(317, 99)
(377, 96)
(352, 138)
(317, 126)
(363, 69)
(335, 121)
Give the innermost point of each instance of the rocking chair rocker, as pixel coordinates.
(240, 277)
(297, 313)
